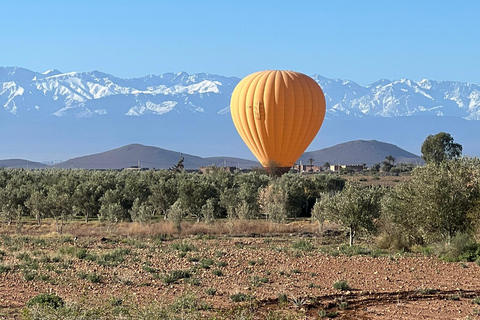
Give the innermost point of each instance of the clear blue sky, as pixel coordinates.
(358, 40)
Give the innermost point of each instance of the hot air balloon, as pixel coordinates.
(277, 114)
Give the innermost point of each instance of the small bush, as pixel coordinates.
(29, 275)
(326, 314)
(282, 298)
(341, 285)
(115, 302)
(222, 264)
(193, 259)
(192, 281)
(189, 303)
(239, 297)
(175, 275)
(302, 245)
(257, 281)
(206, 263)
(461, 248)
(81, 254)
(113, 258)
(94, 278)
(425, 291)
(4, 269)
(183, 246)
(149, 269)
(219, 254)
(217, 272)
(211, 291)
(47, 300)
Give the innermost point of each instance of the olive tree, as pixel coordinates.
(355, 208)
(435, 203)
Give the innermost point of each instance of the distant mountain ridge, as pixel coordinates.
(28, 93)
(352, 152)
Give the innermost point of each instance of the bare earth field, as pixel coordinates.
(94, 269)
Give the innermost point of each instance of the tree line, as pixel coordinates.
(143, 196)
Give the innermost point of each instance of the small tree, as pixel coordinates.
(176, 214)
(273, 202)
(355, 207)
(310, 161)
(440, 147)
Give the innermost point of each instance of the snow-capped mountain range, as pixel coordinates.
(29, 94)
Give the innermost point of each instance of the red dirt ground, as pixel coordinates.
(385, 287)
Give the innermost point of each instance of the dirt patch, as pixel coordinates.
(263, 268)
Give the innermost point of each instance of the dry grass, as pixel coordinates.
(134, 229)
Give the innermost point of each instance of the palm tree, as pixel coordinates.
(390, 160)
(311, 163)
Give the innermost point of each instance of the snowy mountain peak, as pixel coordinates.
(51, 72)
(25, 93)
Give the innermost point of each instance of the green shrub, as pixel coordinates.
(29, 275)
(282, 298)
(222, 264)
(206, 263)
(302, 245)
(4, 269)
(94, 278)
(192, 281)
(175, 275)
(113, 258)
(45, 299)
(239, 297)
(193, 259)
(183, 246)
(461, 248)
(115, 302)
(211, 291)
(426, 290)
(81, 254)
(341, 285)
(257, 281)
(217, 272)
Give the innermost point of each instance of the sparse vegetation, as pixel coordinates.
(239, 297)
(341, 285)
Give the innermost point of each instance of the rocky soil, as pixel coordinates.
(93, 270)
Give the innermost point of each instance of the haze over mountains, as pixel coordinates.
(55, 115)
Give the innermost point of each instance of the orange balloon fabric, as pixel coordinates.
(277, 114)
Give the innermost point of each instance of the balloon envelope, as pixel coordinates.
(277, 114)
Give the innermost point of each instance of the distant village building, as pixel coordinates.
(306, 168)
(135, 168)
(348, 167)
(227, 169)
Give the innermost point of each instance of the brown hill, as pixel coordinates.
(149, 157)
(21, 163)
(359, 152)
